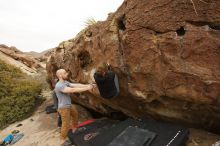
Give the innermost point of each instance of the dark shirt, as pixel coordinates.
(106, 84)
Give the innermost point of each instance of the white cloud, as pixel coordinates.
(36, 25)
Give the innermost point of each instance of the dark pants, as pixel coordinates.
(55, 100)
(59, 121)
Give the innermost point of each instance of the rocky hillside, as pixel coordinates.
(166, 55)
(42, 56)
(27, 63)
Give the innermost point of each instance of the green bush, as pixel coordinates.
(18, 94)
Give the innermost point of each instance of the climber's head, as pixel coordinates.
(102, 68)
(62, 74)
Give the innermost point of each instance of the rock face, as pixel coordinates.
(15, 57)
(166, 55)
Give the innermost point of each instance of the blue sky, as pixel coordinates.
(37, 25)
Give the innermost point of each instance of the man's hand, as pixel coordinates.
(90, 86)
(93, 87)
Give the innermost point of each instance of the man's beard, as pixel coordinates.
(65, 78)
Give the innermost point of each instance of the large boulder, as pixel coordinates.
(166, 55)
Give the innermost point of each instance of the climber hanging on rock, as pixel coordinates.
(67, 111)
(107, 81)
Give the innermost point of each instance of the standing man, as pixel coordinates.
(65, 108)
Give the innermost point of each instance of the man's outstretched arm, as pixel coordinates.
(78, 85)
(77, 89)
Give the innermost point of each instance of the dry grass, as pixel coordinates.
(90, 21)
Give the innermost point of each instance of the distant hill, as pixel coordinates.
(36, 54)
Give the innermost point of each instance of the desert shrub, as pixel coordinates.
(18, 94)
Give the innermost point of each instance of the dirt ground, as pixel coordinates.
(41, 129)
